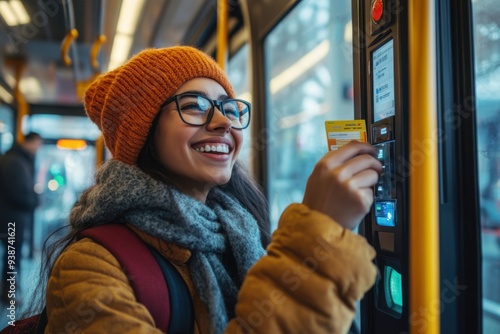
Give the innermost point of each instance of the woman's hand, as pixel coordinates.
(340, 185)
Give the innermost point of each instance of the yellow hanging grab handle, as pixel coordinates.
(94, 51)
(66, 43)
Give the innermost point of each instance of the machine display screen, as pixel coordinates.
(384, 213)
(383, 81)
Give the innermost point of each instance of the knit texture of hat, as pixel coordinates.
(124, 102)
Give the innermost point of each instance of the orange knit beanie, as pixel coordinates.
(124, 102)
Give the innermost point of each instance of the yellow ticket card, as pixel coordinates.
(339, 133)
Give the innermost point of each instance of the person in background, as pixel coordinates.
(170, 119)
(18, 201)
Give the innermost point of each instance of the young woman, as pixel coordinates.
(171, 122)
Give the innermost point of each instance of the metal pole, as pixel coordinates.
(423, 156)
(222, 34)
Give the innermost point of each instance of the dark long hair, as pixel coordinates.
(240, 186)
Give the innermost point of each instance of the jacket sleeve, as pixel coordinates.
(88, 292)
(309, 281)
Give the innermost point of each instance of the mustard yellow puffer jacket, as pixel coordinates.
(308, 282)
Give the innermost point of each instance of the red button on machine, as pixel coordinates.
(377, 10)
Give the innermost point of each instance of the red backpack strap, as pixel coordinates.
(143, 271)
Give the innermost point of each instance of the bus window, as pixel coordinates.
(61, 176)
(487, 72)
(6, 128)
(57, 126)
(308, 69)
(62, 173)
(238, 72)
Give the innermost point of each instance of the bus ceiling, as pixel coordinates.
(47, 45)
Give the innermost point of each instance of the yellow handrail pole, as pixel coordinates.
(18, 65)
(22, 110)
(423, 156)
(99, 151)
(222, 34)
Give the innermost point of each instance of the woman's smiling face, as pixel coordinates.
(197, 157)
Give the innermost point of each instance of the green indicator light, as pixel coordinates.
(393, 290)
(396, 287)
(59, 179)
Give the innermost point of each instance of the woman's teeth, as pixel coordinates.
(219, 148)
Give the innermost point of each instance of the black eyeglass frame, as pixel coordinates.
(213, 103)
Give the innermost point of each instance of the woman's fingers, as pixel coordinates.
(367, 200)
(358, 164)
(340, 184)
(349, 151)
(364, 179)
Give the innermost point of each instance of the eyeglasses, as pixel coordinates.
(198, 110)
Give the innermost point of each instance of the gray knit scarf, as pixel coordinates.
(223, 237)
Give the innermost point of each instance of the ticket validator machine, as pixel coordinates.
(380, 84)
